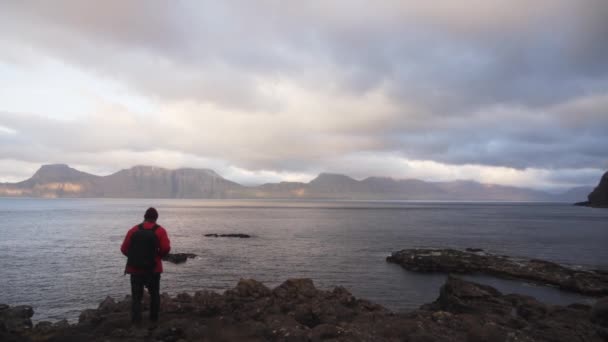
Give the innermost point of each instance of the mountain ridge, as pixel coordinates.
(145, 181)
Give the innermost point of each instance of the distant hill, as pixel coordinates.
(60, 180)
(599, 196)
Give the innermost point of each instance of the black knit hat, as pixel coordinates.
(151, 215)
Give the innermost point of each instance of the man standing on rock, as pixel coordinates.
(145, 245)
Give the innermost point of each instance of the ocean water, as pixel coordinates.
(62, 255)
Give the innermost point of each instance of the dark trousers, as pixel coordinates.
(152, 283)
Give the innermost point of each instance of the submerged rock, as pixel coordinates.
(542, 272)
(298, 311)
(231, 235)
(178, 258)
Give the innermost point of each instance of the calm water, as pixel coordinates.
(62, 256)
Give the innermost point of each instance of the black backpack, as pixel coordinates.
(143, 247)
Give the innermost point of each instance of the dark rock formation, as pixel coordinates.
(599, 313)
(232, 235)
(542, 272)
(297, 311)
(15, 322)
(178, 258)
(598, 198)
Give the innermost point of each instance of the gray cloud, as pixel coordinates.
(268, 86)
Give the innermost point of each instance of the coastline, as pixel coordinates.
(298, 311)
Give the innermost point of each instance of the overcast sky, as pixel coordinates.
(511, 92)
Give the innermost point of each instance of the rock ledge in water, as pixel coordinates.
(231, 235)
(298, 311)
(179, 258)
(592, 283)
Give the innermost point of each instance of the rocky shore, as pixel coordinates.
(297, 311)
(591, 282)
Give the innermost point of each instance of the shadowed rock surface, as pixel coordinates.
(233, 235)
(592, 283)
(598, 198)
(297, 311)
(178, 258)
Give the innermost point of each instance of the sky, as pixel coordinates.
(511, 92)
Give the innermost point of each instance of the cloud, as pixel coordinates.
(264, 89)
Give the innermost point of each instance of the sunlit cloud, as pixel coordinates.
(478, 90)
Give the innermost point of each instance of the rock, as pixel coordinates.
(15, 319)
(178, 258)
(89, 316)
(297, 311)
(107, 305)
(325, 331)
(231, 235)
(461, 296)
(295, 288)
(249, 288)
(487, 332)
(541, 272)
(43, 325)
(599, 312)
(61, 324)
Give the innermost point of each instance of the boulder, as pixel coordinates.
(249, 288)
(178, 258)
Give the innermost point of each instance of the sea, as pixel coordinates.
(63, 255)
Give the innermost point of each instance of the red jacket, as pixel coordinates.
(164, 247)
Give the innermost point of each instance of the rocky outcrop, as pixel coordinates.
(298, 311)
(14, 319)
(231, 235)
(593, 283)
(599, 313)
(179, 258)
(15, 322)
(598, 198)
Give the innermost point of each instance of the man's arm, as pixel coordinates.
(124, 248)
(164, 243)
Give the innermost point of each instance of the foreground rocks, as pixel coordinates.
(232, 235)
(297, 311)
(592, 283)
(179, 258)
(14, 321)
(598, 198)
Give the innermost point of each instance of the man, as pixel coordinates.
(145, 245)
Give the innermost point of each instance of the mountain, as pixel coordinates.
(137, 182)
(156, 182)
(599, 196)
(60, 180)
(574, 194)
